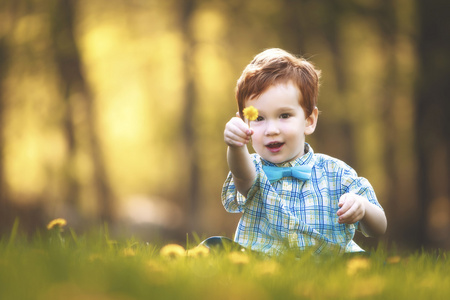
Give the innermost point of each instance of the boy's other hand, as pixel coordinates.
(352, 208)
(237, 133)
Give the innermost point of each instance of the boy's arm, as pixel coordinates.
(374, 222)
(354, 208)
(237, 135)
(242, 168)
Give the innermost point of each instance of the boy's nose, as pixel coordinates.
(272, 128)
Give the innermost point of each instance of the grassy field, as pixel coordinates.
(61, 265)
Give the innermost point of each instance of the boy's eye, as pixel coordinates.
(284, 116)
(259, 118)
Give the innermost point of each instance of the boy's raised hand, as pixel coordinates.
(352, 208)
(237, 133)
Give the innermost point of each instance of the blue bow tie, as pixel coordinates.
(276, 173)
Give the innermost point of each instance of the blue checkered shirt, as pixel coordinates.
(295, 214)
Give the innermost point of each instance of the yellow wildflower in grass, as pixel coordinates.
(238, 258)
(250, 113)
(199, 251)
(357, 264)
(172, 251)
(60, 222)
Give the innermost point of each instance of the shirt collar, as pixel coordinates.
(305, 159)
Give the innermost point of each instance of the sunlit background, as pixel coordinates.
(113, 110)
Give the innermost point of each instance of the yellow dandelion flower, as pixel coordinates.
(238, 258)
(357, 264)
(60, 222)
(198, 251)
(172, 251)
(250, 113)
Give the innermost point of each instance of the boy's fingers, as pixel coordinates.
(240, 125)
(236, 134)
(343, 205)
(234, 131)
(348, 212)
(233, 139)
(342, 200)
(351, 216)
(237, 127)
(350, 219)
(346, 218)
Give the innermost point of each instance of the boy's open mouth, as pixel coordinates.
(275, 146)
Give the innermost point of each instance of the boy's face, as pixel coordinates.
(279, 131)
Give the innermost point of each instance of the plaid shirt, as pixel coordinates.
(295, 214)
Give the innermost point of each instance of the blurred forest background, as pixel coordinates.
(113, 110)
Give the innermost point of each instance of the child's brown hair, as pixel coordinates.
(274, 66)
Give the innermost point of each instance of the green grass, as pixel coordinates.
(54, 265)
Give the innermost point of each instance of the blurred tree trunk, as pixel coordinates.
(331, 29)
(31, 214)
(386, 22)
(77, 90)
(61, 39)
(432, 123)
(397, 185)
(187, 8)
(4, 202)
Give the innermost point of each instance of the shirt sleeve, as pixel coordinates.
(360, 186)
(232, 200)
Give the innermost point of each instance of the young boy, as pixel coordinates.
(317, 204)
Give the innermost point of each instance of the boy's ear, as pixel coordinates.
(311, 122)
